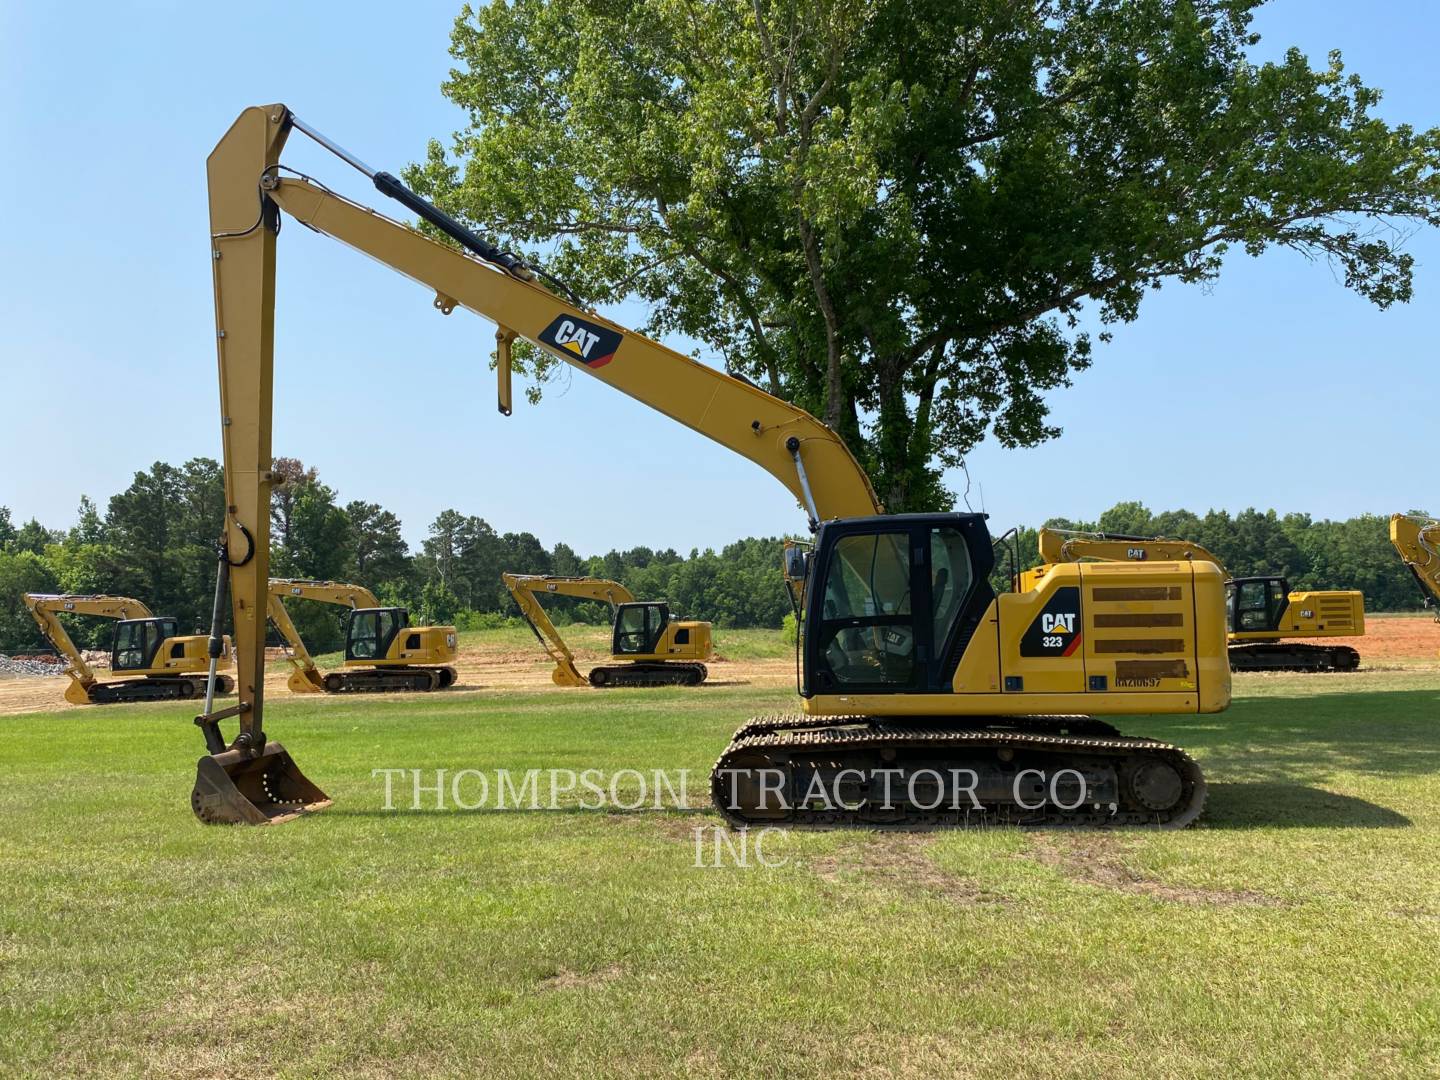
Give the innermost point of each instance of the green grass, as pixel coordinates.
(1295, 932)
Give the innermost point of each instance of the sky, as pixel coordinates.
(1273, 387)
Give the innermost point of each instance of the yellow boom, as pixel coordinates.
(306, 678)
(647, 647)
(247, 192)
(1065, 546)
(524, 587)
(1419, 546)
(44, 609)
(156, 661)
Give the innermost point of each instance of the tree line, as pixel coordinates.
(155, 542)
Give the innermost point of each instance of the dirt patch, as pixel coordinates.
(480, 668)
(1099, 859)
(1392, 637)
(565, 979)
(900, 862)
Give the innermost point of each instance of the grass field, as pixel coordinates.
(1295, 932)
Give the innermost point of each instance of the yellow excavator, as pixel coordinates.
(1419, 546)
(647, 646)
(1262, 614)
(383, 652)
(154, 660)
(927, 699)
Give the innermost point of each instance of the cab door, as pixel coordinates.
(1256, 605)
(137, 641)
(371, 631)
(863, 635)
(638, 628)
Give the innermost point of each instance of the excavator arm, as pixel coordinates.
(525, 589)
(1419, 546)
(248, 189)
(1057, 546)
(45, 609)
(306, 677)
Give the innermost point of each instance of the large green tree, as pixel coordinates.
(158, 540)
(378, 550)
(908, 215)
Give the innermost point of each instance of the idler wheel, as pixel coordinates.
(1156, 785)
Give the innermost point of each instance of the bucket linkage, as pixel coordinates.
(250, 782)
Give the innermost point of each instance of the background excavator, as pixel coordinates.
(928, 700)
(1262, 615)
(383, 652)
(1419, 546)
(647, 647)
(154, 661)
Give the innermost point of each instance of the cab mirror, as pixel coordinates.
(797, 564)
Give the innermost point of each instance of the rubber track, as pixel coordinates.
(151, 689)
(629, 676)
(1288, 656)
(849, 734)
(386, 681)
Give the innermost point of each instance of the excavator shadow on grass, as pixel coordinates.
(1276, 762)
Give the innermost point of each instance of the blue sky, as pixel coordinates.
(1275, 387)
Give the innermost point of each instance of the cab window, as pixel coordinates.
(364, 635)
(1253, 606)
(129, 652)
(638, 627)
(387, 626)
(950, 581)
(867, 633)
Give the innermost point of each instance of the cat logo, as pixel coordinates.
(1063, 623)
(1055, 631)
(575, 339)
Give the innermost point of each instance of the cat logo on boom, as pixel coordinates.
(592, 345)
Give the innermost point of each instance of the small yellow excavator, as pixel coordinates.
(647, 647)
(157, 663)
(1419, 546)
(1261, 613)
(928, 700)
(383, 652)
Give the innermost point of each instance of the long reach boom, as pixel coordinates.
(906, 653)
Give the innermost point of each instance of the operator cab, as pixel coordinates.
(137, 641)
(638, 627)
(1255, 604)
(893, 601)
(370, 632)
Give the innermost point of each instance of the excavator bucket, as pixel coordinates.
(238, 788)
(303, 681)
(567, 674)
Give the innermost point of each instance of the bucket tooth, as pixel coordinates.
(240, 788)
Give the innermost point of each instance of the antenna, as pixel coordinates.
(966, 494)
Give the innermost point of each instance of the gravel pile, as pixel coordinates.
(31, 665)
